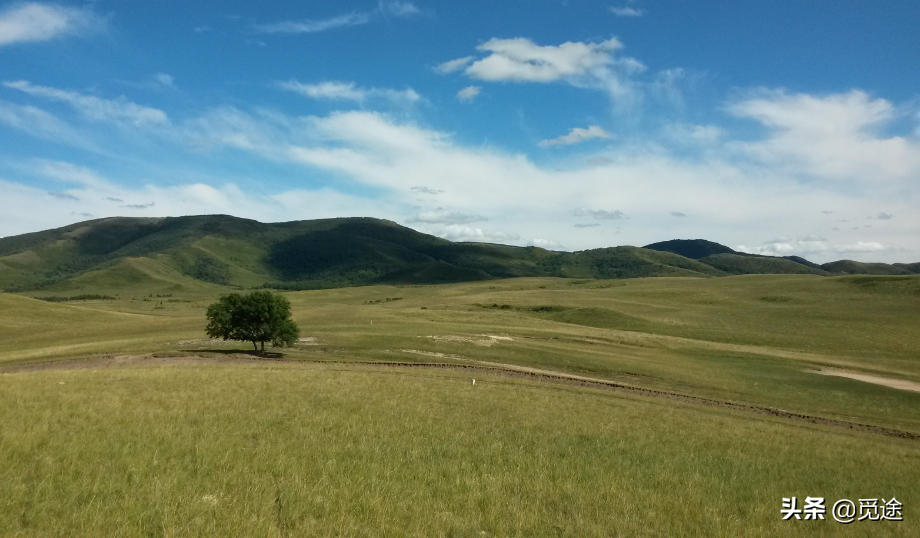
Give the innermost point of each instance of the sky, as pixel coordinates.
(773, 127)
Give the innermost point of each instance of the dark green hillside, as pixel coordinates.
(748, 264)
(912, 268)
(691, 248)
(632, 262)
(849, 267)
(176, 252)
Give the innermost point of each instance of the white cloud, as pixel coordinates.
(575, 136)
(398, 9)
(585, 65)
(476, 235)
(466, 95)
(817, 246)
(626, 11)
(164, 80)
(326, 90)
(41, 124)
(94, 108)
(348, 91)
(33, 21)
(313, 26)
(835, 136)
(689, 134)
(548, 244)
(454, 65)
(521, 60)
(444, 216)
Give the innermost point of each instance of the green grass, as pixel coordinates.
(295, 448)
(288, 450)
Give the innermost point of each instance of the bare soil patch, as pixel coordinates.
(900, 384)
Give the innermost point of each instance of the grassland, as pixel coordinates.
(317, 445)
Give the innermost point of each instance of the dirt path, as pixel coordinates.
(469, 365)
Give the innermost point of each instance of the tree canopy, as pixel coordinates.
(257, 317)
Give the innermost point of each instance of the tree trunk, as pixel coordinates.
(263, 346)
(254, 346)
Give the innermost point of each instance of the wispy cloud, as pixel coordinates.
(454, 65)
(599, 214)
(426, 190)
(349, 91)
(575, 136)
(119, 110)
(398, 9)
(834, 136)
(626, 11)
(41, 124)
(33, 21)
(310, 26)
(63, 196)
(444, 216)
(384, 9)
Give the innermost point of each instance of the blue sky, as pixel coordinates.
(772, 127)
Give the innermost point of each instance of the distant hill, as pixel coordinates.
(740, 264)
(850, 267)
(220, 250)
(691, 248)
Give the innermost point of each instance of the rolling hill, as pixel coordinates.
(219, 250)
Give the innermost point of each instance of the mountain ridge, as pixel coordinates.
(224, 250)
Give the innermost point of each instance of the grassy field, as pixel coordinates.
(200, 445)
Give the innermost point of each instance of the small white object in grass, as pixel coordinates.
(61, 382)
(473, 383)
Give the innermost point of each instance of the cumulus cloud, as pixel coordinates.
(466, 95)
(678, 214)
(587, 225)
(522, 60)
(834, 137)
(599, 214)
(94, 108)
(139, 206)
(575, 136)
(587, 65)
(883, 216)
(33, 21)
(310, 26)
(63, 196)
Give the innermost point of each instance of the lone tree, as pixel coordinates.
(257, 317)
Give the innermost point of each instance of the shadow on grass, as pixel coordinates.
(247, 352)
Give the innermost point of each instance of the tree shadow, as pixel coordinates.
(247, 352)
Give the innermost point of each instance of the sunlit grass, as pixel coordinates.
(298, 450)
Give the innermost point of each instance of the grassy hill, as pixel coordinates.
(168, 254)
